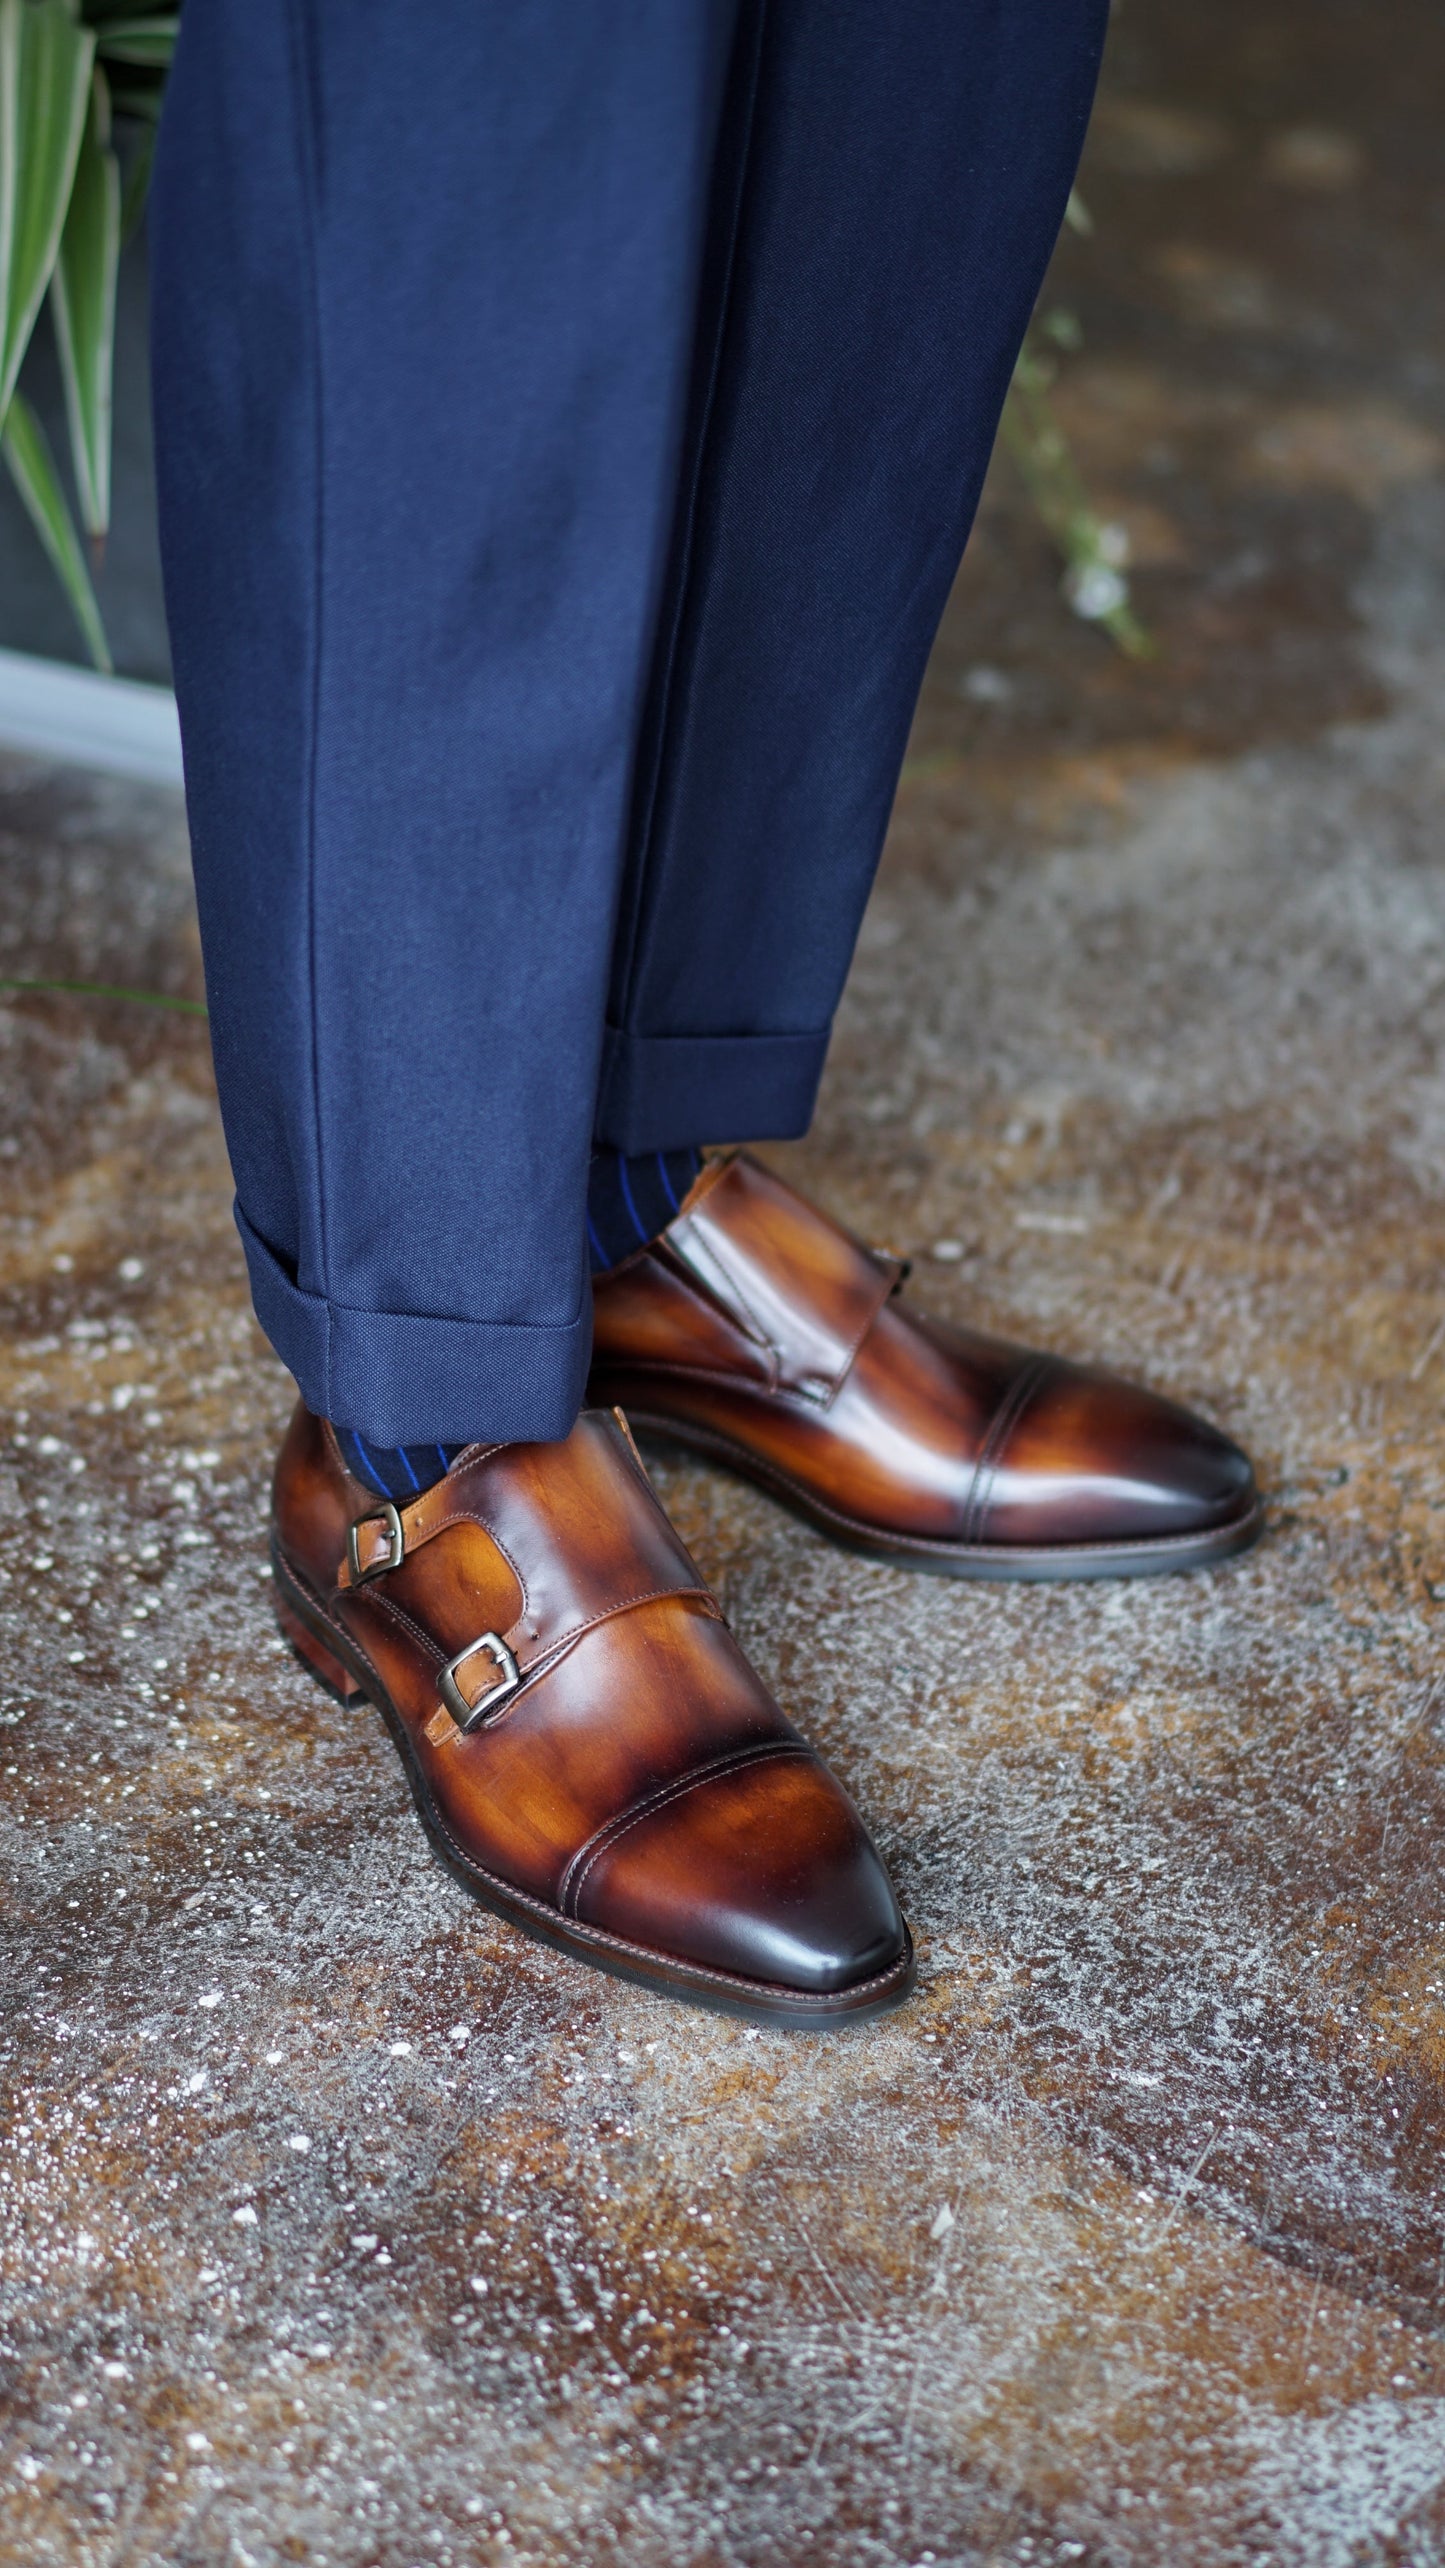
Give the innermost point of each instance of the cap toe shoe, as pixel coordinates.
(1093, 1458)
(763, 1334)
(759, 1867)
(589, 1748)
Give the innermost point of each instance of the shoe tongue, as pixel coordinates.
(792, 1281)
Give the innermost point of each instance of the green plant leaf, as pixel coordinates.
(82, 299)
(32, 469)
(45, 64)
(149, 42)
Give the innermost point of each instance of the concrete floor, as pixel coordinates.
(341, 2225)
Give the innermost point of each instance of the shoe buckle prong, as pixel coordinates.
(386, 1514)
(468, 1716)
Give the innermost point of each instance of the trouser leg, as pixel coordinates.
(898, 190)
(425, 289)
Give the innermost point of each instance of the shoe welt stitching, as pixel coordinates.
(699, 1971)
(603, 1839)
(877, 1542)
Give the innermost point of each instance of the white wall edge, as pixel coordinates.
(84, 720)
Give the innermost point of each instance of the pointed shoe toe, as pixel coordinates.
(1092, 1461)
(761, 1869)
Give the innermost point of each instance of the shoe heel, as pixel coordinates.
(337, 1679)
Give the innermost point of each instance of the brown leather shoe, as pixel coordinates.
(758, 1331)
(589, 1749)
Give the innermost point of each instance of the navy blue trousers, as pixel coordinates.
(570, 415)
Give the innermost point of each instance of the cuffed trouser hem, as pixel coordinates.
(663, 1091)
(402, 1378)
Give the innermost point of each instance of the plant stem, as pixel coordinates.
(106, 990)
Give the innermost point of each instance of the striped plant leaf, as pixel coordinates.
(32, 469)
(148, 42)
(82, 300)
(45, 66)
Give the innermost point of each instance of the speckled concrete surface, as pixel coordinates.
(341, 2225)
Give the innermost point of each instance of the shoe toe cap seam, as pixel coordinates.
(662, 1797)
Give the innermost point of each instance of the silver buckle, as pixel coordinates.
(386, 1515)
(467, 1715)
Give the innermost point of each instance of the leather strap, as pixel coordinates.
(796, 1285)
(554, 1645)
(620, 1552)
(449, 1501)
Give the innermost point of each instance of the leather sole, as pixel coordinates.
(1047, 1562)
(337, 1660)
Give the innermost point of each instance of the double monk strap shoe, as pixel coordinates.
(589, 1750)
(760, 1333)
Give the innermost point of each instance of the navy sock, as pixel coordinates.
(395, 1471)
(631, 1196)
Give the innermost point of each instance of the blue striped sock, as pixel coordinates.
(631, 1196)
(395, 1471)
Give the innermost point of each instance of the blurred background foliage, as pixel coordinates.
(81, 85)
(1093, 550)
(80, 95)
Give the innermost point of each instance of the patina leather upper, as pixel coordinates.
(603, 1752)
(763, 1332)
